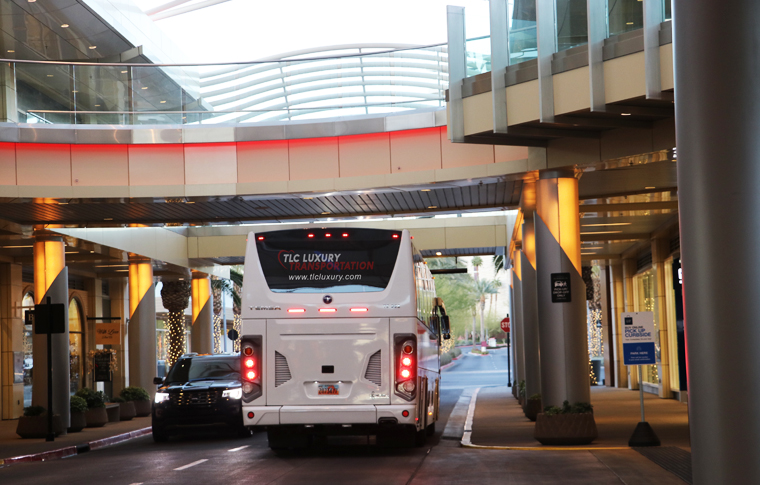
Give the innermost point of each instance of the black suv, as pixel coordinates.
(199, 390)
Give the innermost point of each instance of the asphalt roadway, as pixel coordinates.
(230, 460)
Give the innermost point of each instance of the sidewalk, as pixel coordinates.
(11, 445)
(498, 421)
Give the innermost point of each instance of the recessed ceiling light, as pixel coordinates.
(49, 75)
(425, 190)
(308, 198)
(649, 187)
(625, 114)
(144, 87)
(124, 72)
(32, 1)
(162, 102)
(432, 207)
(65, 26)
(75, 91)
(603, 232)
(438, 253)
(593, 247)
(629, 23)
(108, 219)
(13, 247)
(97, 106)
(93, 47)
(326, 212)
(11, 51)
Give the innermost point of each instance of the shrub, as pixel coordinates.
(77, 404)
(118, 399)
(577, 408)
(134, 393)
(456, 351)
(535, 397)
(34, 411)
(445, 358)
(93, 399)
(521, 388)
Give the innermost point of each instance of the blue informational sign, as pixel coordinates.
(638, 338)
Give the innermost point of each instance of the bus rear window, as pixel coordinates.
(336, 260)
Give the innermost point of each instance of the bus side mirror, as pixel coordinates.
(445, 327)
(435, 325)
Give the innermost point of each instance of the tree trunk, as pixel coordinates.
(175, 295)
(483, 335)
(474, 311)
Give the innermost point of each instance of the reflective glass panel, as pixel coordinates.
(625, 15)
(572, 27)
(76, 346)
(668, 14)
(102, 95)
(45, 93)
(26, 341)
(522, 30)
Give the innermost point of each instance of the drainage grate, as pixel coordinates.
(673, 459)
(374, 369)
(281, 369)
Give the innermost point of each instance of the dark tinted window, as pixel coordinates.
(346, 261)
(193, 368)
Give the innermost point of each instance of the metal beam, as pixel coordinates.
(633, 206)
(547, 46)
(596, 15)
(653, 13)
(499, 63)
(614, 236)
(183, 10)
(457, 71)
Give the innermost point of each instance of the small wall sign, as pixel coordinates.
(560, 287)
(108, 334)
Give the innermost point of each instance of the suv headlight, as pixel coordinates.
(161, 397)
(233, 393)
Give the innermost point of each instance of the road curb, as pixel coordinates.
(76, 449)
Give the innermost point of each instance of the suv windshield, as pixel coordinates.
(215, 368)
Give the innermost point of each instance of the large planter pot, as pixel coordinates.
(96, 417)
(78, 421)
(126, 411)
(112, 409)
(565, 429)
(142, 408)
(37, 426)
(532, 408)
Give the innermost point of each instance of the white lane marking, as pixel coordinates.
(467, 436)
(190, 464)
(239, 448)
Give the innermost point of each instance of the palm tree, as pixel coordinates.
(476, 263)
(482, 289)
(175, 296)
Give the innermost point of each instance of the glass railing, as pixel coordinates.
(360, 81)
(478, 55)
(572, 26)
(625, 15)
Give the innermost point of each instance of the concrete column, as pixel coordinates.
(517, 326)
(660, 251)
(11, 330)
(629, 270)
(717, 119)
(202, 334)
(529, 296)
(51, 279)
(562, 325)
(141, 329)
(615, 275)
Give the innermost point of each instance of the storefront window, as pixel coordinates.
(76, 345)
(26, 341)
(644, 296)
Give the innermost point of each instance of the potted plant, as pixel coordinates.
(126, 409)
(78, 408)
(139, 397)
(521, 392)
(34, 423)
(96, 414)
(567, 425)
(532, 407)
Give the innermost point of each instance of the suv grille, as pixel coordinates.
(374, 369)
(194, 398)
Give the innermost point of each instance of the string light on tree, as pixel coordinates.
(175, 296)
(217, 334)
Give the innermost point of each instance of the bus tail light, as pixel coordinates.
(328, 310)
(405, 353)
(360, 310)
(296, 310)
(250, 366)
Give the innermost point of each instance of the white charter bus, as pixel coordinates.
(340, 334)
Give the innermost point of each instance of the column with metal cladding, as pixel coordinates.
(457, 71)
(561, 291)
(629, 270)
(718, 121)
(517, 325)
(529, 295)
(141, 331)
(499, 63)
(51, 279)
(615, 275)
(546, 37)
(202, 335)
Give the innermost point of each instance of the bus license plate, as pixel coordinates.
(328, 390)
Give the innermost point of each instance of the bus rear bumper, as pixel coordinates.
(330, 415)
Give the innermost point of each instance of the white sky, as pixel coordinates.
(243, 30)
